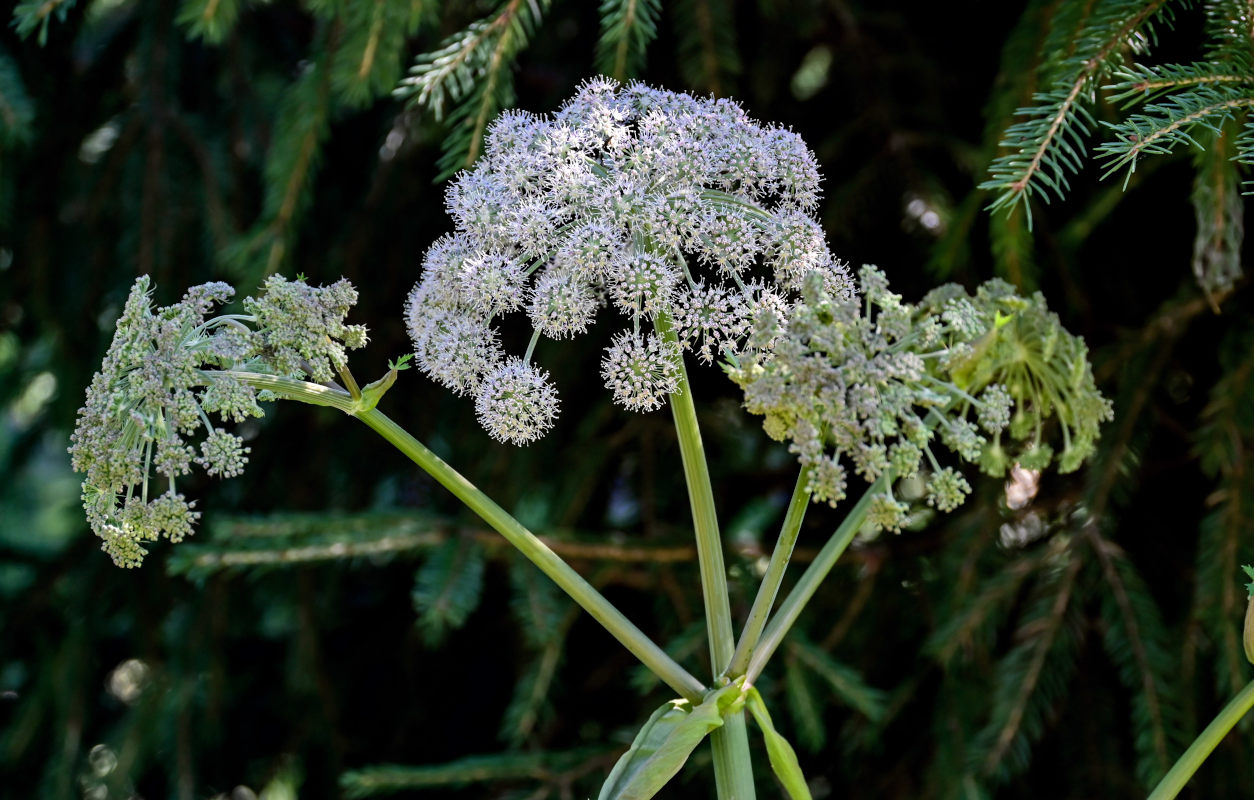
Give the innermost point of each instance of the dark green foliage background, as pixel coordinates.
(941, 663)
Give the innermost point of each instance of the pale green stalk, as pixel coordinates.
(810, 581)
(536, 551)
(1183, 769)
(733, 770)
(774, 576)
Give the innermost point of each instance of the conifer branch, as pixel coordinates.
(1049, 143)
(803, 706)
(286, 540)
(1222, 447)
(16, 111)
(373, 39)
(210, 20)
(847, 685)
(976, 622)
(201, 560)
(301, 126)
(707, 45)
(1136, 631)
(34, 14)
(1173, 125)
(1137, 83)
(627, 27)
(451, 71)
(541, 766)
(447, 588)
(1035, 673)
(530, 703)
(471, 69)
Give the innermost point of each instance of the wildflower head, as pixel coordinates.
(879, 385)
(516, 403)
(666, 208)
(170, 368)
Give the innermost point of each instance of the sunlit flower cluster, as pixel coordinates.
(684, 215)
(873, 386)
(166, 371)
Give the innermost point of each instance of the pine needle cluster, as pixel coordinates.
(1162, 108)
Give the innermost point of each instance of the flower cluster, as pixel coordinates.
(166, 371)
(874, 387)
(683, 214)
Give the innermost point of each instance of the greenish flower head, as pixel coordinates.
(166, 371)
(874, 385)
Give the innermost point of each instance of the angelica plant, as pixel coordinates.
(692, 225)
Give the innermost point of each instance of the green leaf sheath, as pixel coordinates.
(782, 757)
(527, 543)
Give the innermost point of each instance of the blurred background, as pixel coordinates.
(338, 627)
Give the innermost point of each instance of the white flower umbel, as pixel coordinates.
(516, 403)
(641, 370)
(668, 208)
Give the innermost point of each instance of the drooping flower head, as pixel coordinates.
(166, 371)
(671, 210)
(874, 386)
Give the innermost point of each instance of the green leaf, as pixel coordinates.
(1249, 572)
(782, 757)
(665, 742)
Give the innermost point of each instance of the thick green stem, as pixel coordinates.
(810, 581)
(1183, 769)
(733, 770)
(551, 564)
(774, 576)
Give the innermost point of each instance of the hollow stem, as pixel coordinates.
(1187, 764)
(733, 770)
(774, 576)
(536, 551)
(810, 580)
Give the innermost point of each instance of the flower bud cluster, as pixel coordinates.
(873, 387)
(166, 371)
(661, 206)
